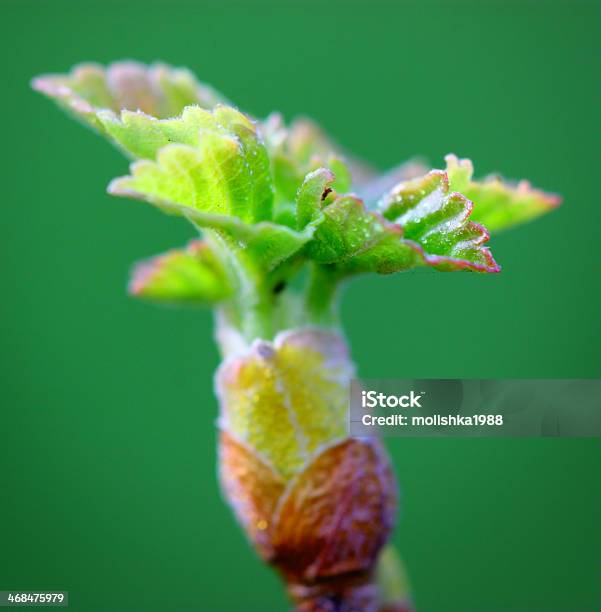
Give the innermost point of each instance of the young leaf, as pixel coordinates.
(439, 222)
(311, 195)
(302, 148)
(255, 156)
(215, 172)
(158, 90)
(192, 275)
(301, 379)
(219, 185)
(335, 516)
(354, 240)
(253, 488)
(420, 224)
(269, 244)
(217, 176)
(141, 136)
(498, 204)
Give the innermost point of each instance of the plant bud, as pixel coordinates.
(316, 504)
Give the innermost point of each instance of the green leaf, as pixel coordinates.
(220, 168)
(217, 175)
(420, 224)
(299, 149)
(224, 135)
(256, 159)
(354, 240)
(158, 90)
(498, 204)
(142, 136)
(343, 180)
(439, 221)
(269, 244)
(311, 196)
(192, 275)
(214, 186)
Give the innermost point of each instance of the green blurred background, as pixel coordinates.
(107, 439)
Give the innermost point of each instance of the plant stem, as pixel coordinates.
(320, 296)
(251, 308)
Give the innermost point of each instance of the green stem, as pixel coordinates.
(320, 296)
(258, 308)
(250, 310)
(257, 311)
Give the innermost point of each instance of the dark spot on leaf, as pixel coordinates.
(279, 287)
(326, 192)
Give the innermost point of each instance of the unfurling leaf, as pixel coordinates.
(330, 520)
(288, 397)
(142, 136)
(311, 196)
(498, 204)
(420, 223)
(253, 489)
(192, 275)
(300, 149)
(337, 513)
(158, 90)
(215, 172)
(216, 165)
(315, 503)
